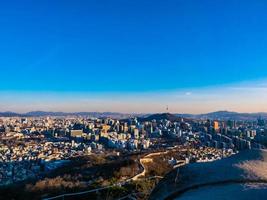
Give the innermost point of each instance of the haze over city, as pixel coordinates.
(244, 97)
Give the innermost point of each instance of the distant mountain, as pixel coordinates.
(226, 115)
(85, 114)
(222, 115)
(10, 114)
(43, 113)
(219, 115)
(62, 114)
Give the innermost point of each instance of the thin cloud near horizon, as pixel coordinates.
(244, 97)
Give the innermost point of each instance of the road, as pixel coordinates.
(142, 162)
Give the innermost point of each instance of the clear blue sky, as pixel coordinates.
(131, 46)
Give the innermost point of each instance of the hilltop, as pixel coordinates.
(161, 116)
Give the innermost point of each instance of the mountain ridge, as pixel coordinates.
(219, 115)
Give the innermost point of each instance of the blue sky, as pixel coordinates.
(105, 50)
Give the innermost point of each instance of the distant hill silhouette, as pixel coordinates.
(62, 114)
(161, 116)
(226, 115)
(10, 114)
(219, 115)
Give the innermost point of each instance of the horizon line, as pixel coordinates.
(117, 112)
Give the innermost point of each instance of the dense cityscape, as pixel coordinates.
(133, 100)
(34, 147)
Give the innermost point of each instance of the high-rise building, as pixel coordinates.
(136, 133)
(216, 125)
